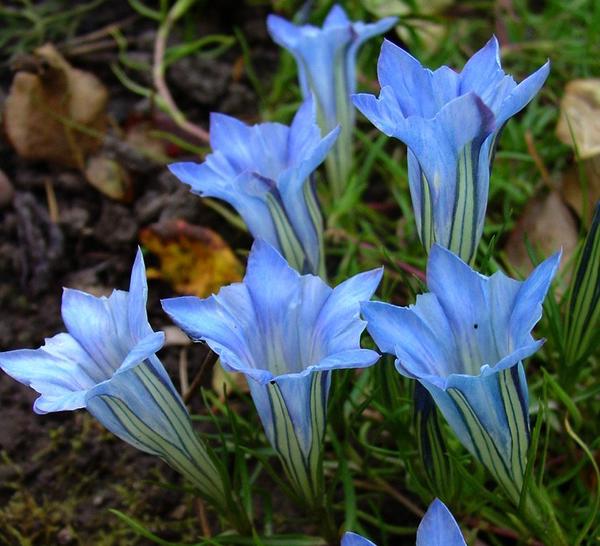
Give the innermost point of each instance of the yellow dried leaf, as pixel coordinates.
(56, 113)
(193, 259)
(110, 178)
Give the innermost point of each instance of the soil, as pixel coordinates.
(59, 473)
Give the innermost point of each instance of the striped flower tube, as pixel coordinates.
(464, 341)
(106, 363)
(264, 171)
(450, 122)
(141, 406)
(285, 332)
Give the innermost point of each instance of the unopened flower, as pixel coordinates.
(326, 59)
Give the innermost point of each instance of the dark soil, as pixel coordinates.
(59, 473)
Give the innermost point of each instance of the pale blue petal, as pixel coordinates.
(338, 327)
(461, 121)
(100, 325)
(223, 321)
(401, 332)
(528, 307)
(411, 83)
(337, 16)
(241, 191)
(204, 180)
(284, 33)
(383, 112)
(352, 358)
(228, 133)
(143, 350)
(439, 528)
(61, 371)
(522, 94)
(352, 539)
(483, 74)
(464, 296)
(138, 295)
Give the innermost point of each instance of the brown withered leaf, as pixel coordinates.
(576, 185)
(56, 112)
(109, 177)
(548, 225)
(579, 121)
(193, 259)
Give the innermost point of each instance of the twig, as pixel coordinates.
(184, 384)
(207, 363)
(53, 212)
(539, 163)
(498, 531)
(158, 75)
(204, 525)
(379, 485)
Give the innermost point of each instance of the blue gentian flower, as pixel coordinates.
(437, 528)
(285, 332)
(464, 342)
(264, 172)
(326, 59)
(106, 363)
(450, 122)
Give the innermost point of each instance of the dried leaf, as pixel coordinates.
(109, 177)
(581, 191)
(425, 30)
(579, 121)
(56, 113)
(549, 226)
(193, 259)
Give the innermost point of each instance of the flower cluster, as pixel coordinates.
(284, 328)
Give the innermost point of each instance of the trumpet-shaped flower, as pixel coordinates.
(464, 342)
(450, 122)
(264, 172)
(285, 332)
(106, 363)
(326, 59)
(437, 528)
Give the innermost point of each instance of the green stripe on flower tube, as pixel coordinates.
(141, 406)
(286, 333)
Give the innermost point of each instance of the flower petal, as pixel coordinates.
(100, 325)
(136, 302)
(338, 327)
(439, 528)
(61, 371)
(352, 539)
